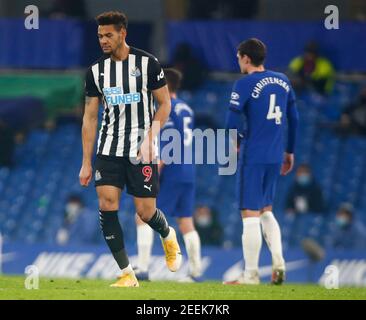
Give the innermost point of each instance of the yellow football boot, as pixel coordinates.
(173, 255)
(126, 280)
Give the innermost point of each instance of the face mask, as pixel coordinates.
(303, 180)
(342, 222)
(204, 221)
(72, 210)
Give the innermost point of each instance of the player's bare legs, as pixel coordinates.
(193, 245)
(147, 211)
(108, 197)
(252, 243)
(272, 235)
(145, 208)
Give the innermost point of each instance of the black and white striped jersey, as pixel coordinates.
(126, 89)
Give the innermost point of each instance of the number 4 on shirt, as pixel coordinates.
(274, 112)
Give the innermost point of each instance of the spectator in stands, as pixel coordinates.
(6, 145)
(305, 196)
(208, 227)
(346, 231)
(190, 66)
(80, 225)
(304, 204)
(353, 118)
(312, 71)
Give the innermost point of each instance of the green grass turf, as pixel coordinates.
(12, 288)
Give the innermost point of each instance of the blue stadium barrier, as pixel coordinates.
(215, 42)
(58, 43)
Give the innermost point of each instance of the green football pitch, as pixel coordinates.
(12, 288)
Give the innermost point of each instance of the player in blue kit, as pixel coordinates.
(259, 104)
(177, 184)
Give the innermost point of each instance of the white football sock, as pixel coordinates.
(193, 246)
(145, 239)
(127, 270)
(272, 235)
(252, 243)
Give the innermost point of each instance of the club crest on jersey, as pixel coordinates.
(235, 96)
(135, 72)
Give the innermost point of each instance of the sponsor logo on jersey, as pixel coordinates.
(114, 96)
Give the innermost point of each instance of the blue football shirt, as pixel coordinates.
(181, 119)
(266, 99)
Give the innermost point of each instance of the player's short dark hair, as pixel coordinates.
(255, 49)
(118, 19)
(174, 78)
(75, 197)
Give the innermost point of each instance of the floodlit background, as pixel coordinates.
(321, 207)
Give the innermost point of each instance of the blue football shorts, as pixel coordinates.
(176, 199)
(256, 185)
